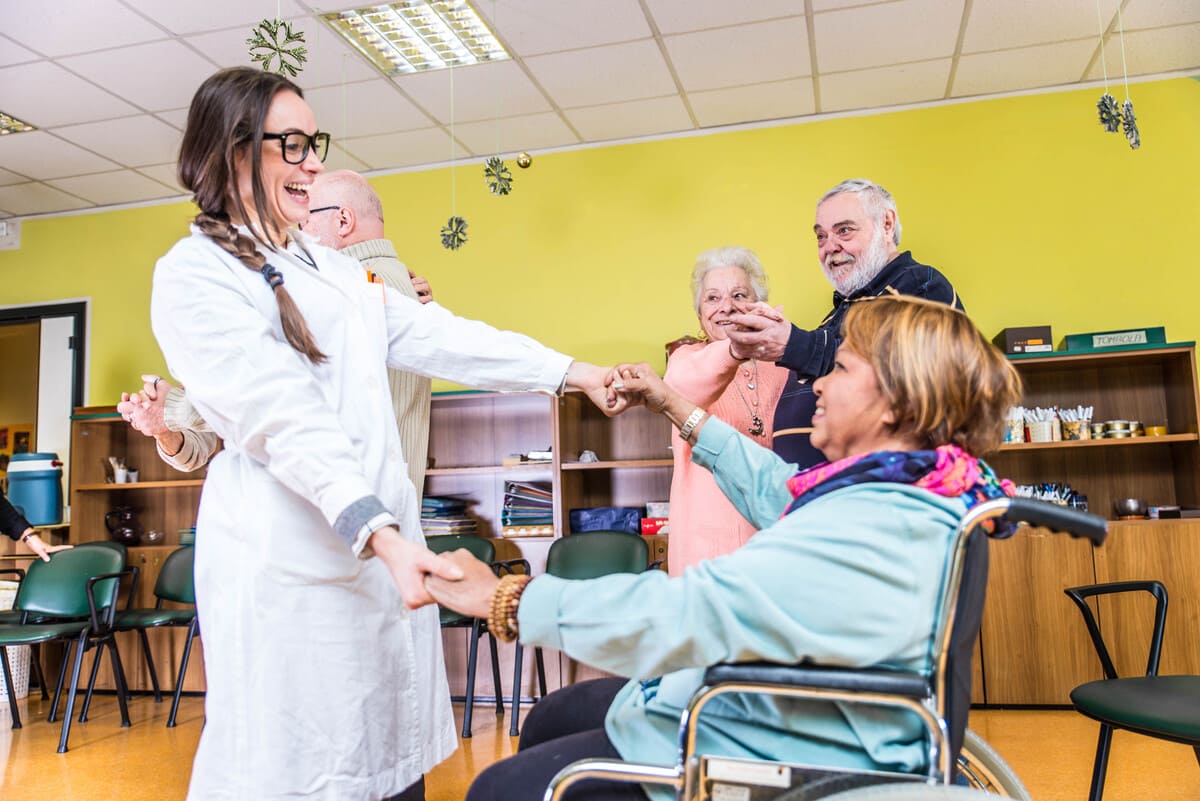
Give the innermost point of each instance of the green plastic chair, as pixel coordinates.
(176, 584)
(586, 555)
(75, 595)
(484, 551)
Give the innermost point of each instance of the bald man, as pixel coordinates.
(344, 214)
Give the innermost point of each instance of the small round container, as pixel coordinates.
(1117, 434)
(1097, 430)
(1116, 425)
(1156, 431)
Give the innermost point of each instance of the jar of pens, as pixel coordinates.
(1025, 424)
(1076, 423)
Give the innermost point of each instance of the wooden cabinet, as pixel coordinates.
(470, 435)
(1034, 644)
(165, 499)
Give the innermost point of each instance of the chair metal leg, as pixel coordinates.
(58, 688)
(472, 657)
(35, 660)
(87, 696)
(496, 675)
(119, 676)
(150, 665)
(193, 630)
(1103, 744)
(12, 689)
(80, 647)
(515, 720)
(541, 671)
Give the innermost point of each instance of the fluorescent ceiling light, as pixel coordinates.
(418, 35)
(10, 124)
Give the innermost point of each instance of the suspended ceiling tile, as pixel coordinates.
(1148, 52)
(1002, 24)
(132, 141)
(191, 17)
(875, 36)
(13, 53)
(8, 178)
(176, 117)
(44, 95)
(755, 53)
(106, 188)
(834, 5)
(364, 109)
(681, 16)
(481, 91)
(1023, 68)
(764, 101)
(1159, 13)
(515, 134)
(164, 174)
(530, 27)
(40, 156)
(339, 159)
(35, 198)
(159, 75)
(885, 86)
(626, 120)
(331, 60)
(77, 26)
(388, 151)
(600, 75)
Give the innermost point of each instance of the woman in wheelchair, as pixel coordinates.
(846, 569)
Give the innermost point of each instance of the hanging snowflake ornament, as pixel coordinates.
(454, 233)
(1129, 122)
(498, 178)
(274, 40)
(1110, 115)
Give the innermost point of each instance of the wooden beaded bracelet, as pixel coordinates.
(502, 621)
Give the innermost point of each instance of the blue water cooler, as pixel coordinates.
(35, 487)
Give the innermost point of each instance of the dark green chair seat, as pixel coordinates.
(484, 551)
(1165, 707)
(78, 588)
(176, 584)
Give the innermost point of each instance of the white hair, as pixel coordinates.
(719, 258)
(875, 200)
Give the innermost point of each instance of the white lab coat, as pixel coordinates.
(321, 684)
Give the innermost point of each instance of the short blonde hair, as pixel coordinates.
(944, 382)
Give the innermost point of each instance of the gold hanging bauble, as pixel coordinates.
(524, 159)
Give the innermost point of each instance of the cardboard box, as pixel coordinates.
(1025, 339)
(1100, 340)
(654, 525)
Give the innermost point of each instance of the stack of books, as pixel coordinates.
(446, 514)
(528, 509)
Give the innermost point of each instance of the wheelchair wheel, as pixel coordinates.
(911, 792)
(984, 769)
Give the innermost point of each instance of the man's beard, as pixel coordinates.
(854, 275)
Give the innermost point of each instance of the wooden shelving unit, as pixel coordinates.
(1035, 648)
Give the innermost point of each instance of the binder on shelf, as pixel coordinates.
(513, 532)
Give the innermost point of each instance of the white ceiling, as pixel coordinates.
(107, 82)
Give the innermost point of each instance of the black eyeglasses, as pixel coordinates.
(295, 145)
(311, 212)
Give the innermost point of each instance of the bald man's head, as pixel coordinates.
(344, 210)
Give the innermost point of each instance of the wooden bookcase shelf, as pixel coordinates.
(1035, 648)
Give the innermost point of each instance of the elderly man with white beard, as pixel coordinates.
(858, 233)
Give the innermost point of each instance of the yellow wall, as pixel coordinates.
(1036, 215)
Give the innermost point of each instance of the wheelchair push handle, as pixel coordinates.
(1058, 518)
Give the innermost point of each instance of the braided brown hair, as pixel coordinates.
(226, 115)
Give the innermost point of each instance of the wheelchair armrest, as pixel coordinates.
(1155, 588)
(874, 680)
(506, 566)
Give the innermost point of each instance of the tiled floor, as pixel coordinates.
(1051, 750)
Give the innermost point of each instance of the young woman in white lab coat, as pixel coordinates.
(324, 679)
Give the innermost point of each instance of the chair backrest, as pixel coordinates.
(597, 553)
(175, 581)
(58, 588)
(481, 549)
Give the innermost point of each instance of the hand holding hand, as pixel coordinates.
(760, 332)
(410, 564)
(144, 409)
(600, 385)
(471, 595)
(642, 385)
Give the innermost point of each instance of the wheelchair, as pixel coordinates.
(960, 765)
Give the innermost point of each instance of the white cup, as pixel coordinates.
(120, 475)
(132, 476)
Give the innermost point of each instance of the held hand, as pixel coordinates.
(422, 287)
(643, 385)
(471, 595)
(144, 410)
(760, 333)
(409, 564)
(599, 385)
